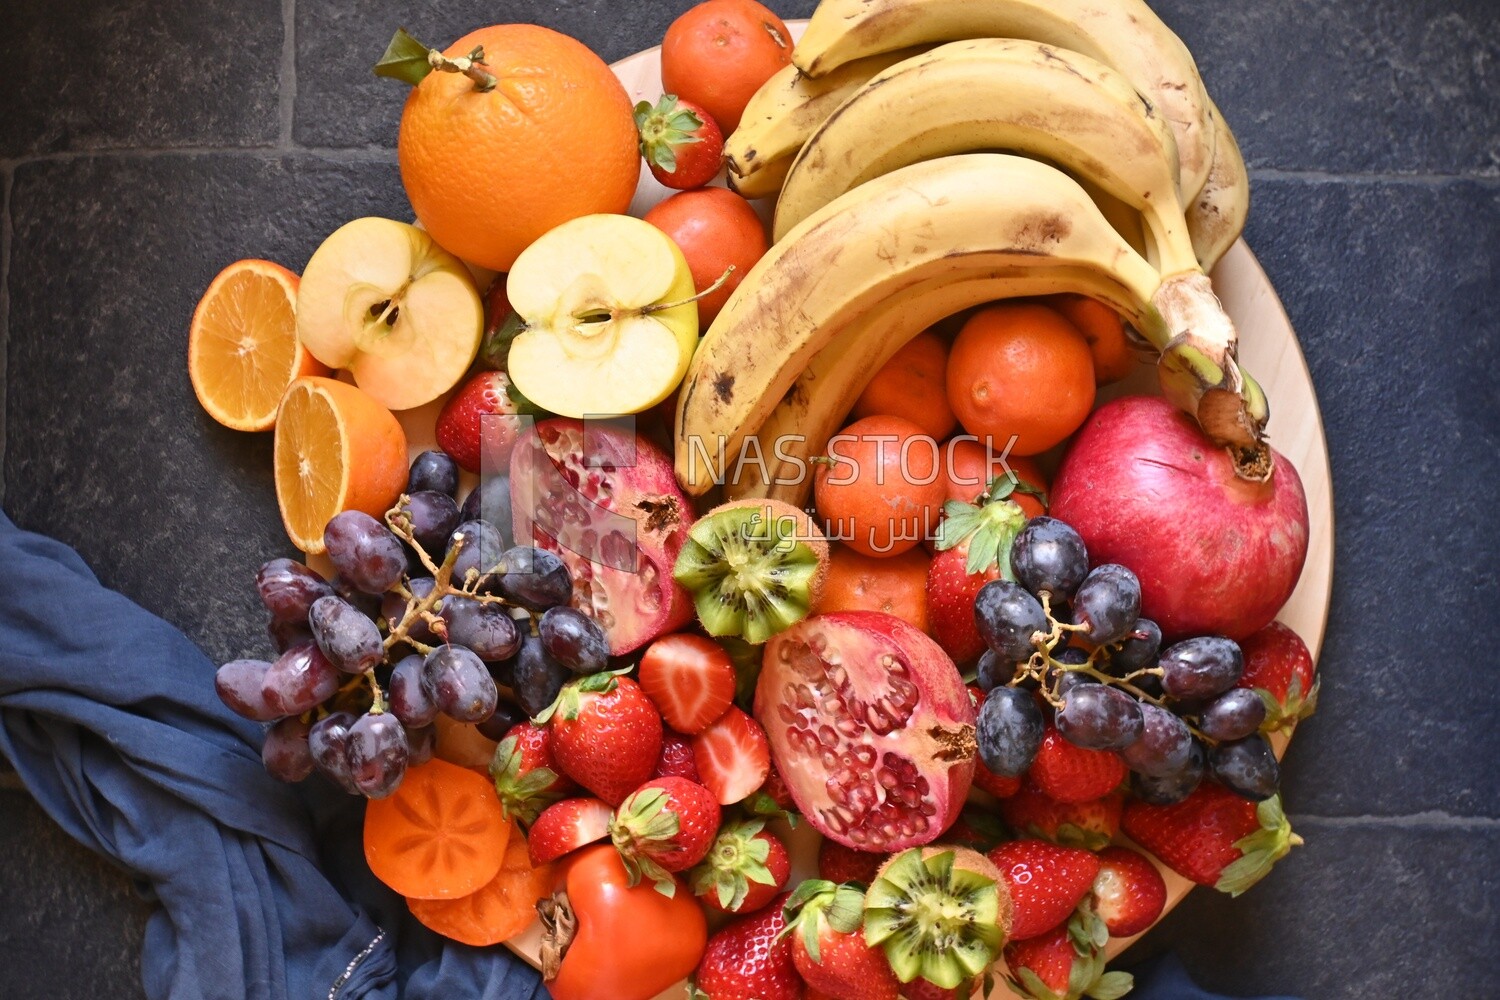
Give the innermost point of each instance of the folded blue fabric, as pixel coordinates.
(109, 716)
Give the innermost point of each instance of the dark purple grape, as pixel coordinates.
(364, 551)
(377, 754)
(1169, 789)
(1009, 731)
(991, 671)
(433, 470)
(299, 680)
(1139, 648)
(288, 589)
(1164, 746)
(1246, 767)
(393, 609)
(1202, 667)
(328, 741)
(1071, 655)
(1007, 617)
(535, 579)
(539, 678)
(507, 716)
(1048, 557)
(1233, 715)
(421, 744)
(1108, 601)
(504, 671)
(456, 681)
(481, 554)
(241, 686)
(1099, 717)
(285, 635)
(574, 639)
(285, 752)
(368, 604)
(432, 516)
(408, 697)
(1071, 679)
(486, 628)
(347, 638)
(490, 502)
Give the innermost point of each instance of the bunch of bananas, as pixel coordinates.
(1120, 181)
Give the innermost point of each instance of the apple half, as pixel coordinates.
(402, 314)
(609, 318)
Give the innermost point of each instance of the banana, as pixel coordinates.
(1001, 93)
(1125, 34)
(1216, 217)
(784, 112)
(951, 218)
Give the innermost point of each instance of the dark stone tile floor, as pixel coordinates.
(145, 146)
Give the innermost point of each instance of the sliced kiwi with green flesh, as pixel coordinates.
(754, 568)
(939, 913)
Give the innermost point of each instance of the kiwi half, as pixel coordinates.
(940, 913)
(754, 568)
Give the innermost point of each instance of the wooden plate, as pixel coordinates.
(1268, 349)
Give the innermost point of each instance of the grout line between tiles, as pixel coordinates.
(288, 90)
(1374, 177)
(352, 154)
(1430, 820)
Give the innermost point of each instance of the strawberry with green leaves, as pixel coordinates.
(1090, 825)
(525, 773)
(1279, 668)
(750, 959)
(667, 825)
(743, 870)
(1214, 837)
(606, 734)
(1047, 882)
(825, 923)
(1066, 963)
(681, 142)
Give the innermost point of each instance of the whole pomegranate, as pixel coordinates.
(870, 727)
(1215, 554)
(606, 501)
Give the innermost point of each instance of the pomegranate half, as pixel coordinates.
(870, 726)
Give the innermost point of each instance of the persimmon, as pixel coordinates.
(440, 835)
(502, 908)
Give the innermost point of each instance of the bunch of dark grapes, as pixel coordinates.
(1067, 640)
(432, 612)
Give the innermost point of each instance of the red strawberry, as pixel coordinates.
(733, 756)
(750, 959)
(973, 548)
(1066, 963)
(1046, 881)
(997, 785)
(676, 760)
(837, 863)
(825, 922)
(689, 679)
(1214, 837)
(1279, 668)
(461, 427)
(921, 989)
(976, 828)
(606, 735)
(1067, 773)
(526, 776)
(775, 789)
(743, 870)
(1129, 892)
(566, 826)
(681, 142)
(667, 825)
(1090, 825)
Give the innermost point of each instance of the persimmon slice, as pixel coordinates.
(440, 835)
(500, 910)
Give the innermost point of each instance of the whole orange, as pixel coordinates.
(719, 53)
(1020, 369)
(1103, 328)
(880, 490)
(912, 385)
(857, 582)
(489, 171)
(714, 228)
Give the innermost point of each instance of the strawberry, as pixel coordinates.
(1067, 773)
(667, 825)
(743, 870)
(1279, 668)
(606, 734)
(733, 756)
(1214, 837)
(837, 863)
(1089, 825)
(689, 679)
(1066, 963)
(825, 922)
(921, 989)
(998, 785)
(1046, 881)
(681, 142)
(775, 789)
(525, 773)
(976, 828)
(1129, 892)
(566, 826)
(973, 548)
(750, 959)
(462, 429)
(676, 760)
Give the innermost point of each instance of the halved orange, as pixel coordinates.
(505, 907)
(336, 450)
(243, 349)
(440, 835)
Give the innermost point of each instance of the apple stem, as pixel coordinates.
(468, 65)
(660, 306)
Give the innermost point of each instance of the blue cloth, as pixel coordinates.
(109, 716)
